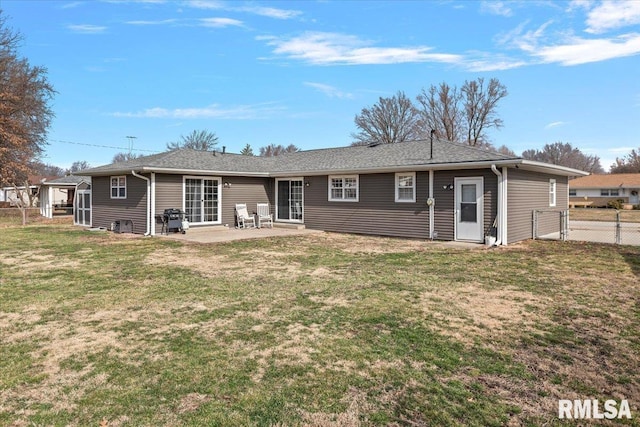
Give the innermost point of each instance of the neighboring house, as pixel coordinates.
(443, 190)
(69, 194)
(599, 190)
(11, 194)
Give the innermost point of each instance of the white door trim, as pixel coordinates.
(301, 207)
(470, 231)
(202, 201)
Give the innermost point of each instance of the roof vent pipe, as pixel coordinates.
(431, 141)
(224, 149)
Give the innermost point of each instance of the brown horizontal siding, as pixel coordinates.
(375, 213)
(528, 191)
(106, 210)
(444, 212)
(247, 190)
(169, 194)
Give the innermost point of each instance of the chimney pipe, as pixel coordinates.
(431, 139)
(224, 149)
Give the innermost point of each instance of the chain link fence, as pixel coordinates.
(621, 227)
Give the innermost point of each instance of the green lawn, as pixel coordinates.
(323, 330)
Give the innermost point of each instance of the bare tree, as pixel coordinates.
(40, 168)
(275, 150)
(196, 140)
(124, 157)
(628, 164)
(78, 166)
(462, 115)
(564, 154)
(391, 120)
(480, 108)
(503, 149)
(441, 112)
(25, 114)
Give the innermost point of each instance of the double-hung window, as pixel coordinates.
(343, 188)
(552, 192)
(406, 187)
(119, 187)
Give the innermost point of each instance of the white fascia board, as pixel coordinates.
(549, 168)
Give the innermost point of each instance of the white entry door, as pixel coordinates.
(469, 209)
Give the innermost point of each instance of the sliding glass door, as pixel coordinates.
(289, 196)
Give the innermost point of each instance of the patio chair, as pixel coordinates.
(264, 215)
(244, 219)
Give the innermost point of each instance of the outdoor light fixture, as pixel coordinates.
(307, 183)
(227, 184)
(447, 187)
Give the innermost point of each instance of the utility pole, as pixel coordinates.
(131, 138)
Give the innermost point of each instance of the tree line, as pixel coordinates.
(461, 115)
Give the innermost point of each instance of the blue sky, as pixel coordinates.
(297, 72)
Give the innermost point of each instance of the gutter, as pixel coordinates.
(148, 233)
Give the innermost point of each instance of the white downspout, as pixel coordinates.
(431, 207)
(505, 206)
(148, 200)
(153, 204)
(499, 205)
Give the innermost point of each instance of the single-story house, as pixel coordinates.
(11, 194)
(417, 189)
(71, 193)
(598, 190)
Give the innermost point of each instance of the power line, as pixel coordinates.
(104, 146)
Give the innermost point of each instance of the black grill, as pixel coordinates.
(172, 221)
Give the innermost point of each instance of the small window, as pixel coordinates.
(552, 192)
(119, 187)
(615, 192)
(604, 192)
(343, 188)
(573, 193)
(406, 187)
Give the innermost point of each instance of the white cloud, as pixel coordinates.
(87, 29)
(554, 125)
(270, 12)
(612, 15)
(330, 91)
(220, 22)
(204, 4)
(496, 8)
(582, 51)
(321, 48)
(162, 22)
(240, 112)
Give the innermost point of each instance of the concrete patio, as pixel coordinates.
(221, 233)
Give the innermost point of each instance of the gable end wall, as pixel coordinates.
(528, 191)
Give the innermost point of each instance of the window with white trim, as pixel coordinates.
(573, 192)
(406, 187)
(119, 187)
(606, 192)
(552, 192)
(343, 188)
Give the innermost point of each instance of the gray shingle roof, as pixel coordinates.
(383, 156)
(68, 180)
